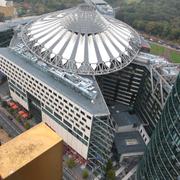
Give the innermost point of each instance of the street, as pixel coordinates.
(9, 125)
(67, 175)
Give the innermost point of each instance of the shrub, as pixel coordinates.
(111, 175)
(18, 119)
(27, 126)
(85, 174)
(70, 163)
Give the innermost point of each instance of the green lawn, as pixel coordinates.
(132, 1)
(170, 54)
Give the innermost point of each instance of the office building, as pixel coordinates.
(70, 68)
(162, 157)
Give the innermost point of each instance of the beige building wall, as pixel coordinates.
(34, 155)
(48, 166)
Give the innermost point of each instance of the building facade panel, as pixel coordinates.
(162, 157)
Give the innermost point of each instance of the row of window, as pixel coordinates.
(52, 101)
(75, 133)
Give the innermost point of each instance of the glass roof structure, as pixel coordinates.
(82, 41)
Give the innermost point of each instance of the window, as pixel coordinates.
(49, 109)
(77, 125)
(78, 131)
(67, 107)
(86, 138)
(67, 123)
(65, 111)
(84, 119)
(58, 116)
(59, 97)
(81, 123)
(76, 108)
(65, 100)
(82, 113)
(83, 129)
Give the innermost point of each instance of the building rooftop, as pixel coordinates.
(24, 148)
(129, 142)
(122, 116)
(82, 41)
(64, 89)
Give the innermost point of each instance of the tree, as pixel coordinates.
(109, 171)
(18, 119)
(85, 174)
(109, 165)
(111, 175)
(70, 163)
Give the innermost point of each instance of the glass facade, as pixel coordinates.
(162, 157)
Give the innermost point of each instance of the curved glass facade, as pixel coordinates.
(162, 157)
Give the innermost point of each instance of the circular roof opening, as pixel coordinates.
(85, 20)
(82, 41)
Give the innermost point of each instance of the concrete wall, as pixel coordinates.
(77, 145)
(16, 98)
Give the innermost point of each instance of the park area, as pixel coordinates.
(170, 54)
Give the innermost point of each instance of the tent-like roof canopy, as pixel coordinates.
(82, 41)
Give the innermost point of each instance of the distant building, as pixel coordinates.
(3, 3)
(35, 154)
(7, 8)
(103, 7)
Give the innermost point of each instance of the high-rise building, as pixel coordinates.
(162, 157)
(35, 154)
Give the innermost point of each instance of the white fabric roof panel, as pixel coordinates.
(85, 36)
